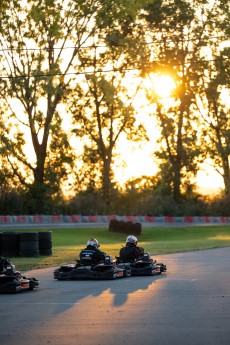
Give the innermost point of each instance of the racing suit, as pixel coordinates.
(92, 255)
(130, 252)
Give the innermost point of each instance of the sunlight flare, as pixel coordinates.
(163, 85)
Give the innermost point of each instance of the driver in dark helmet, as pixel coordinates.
(91, 253)
(131, 251)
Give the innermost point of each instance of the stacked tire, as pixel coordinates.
(45, 242)
(114, 225)
(10, 244)
(29, 246)
(25, 244)
(125, 227)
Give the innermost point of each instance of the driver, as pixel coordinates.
(91, 253)
(4, 263)
(131, 251)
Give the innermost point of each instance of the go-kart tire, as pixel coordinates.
(60, 275)
(33, 282)
(9, 284)
(163, 267)
(127, 273)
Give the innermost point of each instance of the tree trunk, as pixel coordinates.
(226, 176)
(106, 184)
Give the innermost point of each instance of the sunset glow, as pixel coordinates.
(163, 85)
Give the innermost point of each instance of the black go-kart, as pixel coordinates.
(143, 266)
(83, 269)
(13, 281)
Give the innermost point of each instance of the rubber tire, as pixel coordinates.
(29, 236)
(10, 244)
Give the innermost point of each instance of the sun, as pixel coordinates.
(163, 85)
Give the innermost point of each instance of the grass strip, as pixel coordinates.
(67, 243)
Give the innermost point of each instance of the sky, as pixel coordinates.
(137, 160)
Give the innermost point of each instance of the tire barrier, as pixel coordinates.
(125, 227)
(29, 246)
(25, 244)
(10, 244)
(45, 242)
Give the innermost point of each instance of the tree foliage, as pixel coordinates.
(178, 31)
(69, 73)
(38, 65)
(103, 111)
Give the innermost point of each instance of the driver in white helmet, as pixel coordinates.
(131, 251)
(91, 253)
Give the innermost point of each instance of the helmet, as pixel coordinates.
(93, 242)
(131, 239)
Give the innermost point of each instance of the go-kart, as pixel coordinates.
(83, 269)
(12, 280)
(143, 266)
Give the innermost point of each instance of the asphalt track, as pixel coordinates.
(188, 305)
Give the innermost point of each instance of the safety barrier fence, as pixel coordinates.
(52, 219)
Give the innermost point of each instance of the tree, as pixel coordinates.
(215, 113)
(40, 43)
(103, 112)
(178, 31)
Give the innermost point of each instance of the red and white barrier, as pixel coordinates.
(58, 219)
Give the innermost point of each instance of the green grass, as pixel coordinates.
(67, 243)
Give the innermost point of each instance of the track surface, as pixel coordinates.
(189, 305)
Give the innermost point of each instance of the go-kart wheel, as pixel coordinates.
(61, 278)
(127, 273)
(31, 287)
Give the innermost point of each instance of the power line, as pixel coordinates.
(116, 44)
(108, 70)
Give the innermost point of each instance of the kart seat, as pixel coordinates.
(88, 261)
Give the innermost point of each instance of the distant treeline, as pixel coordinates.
(132, 202)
